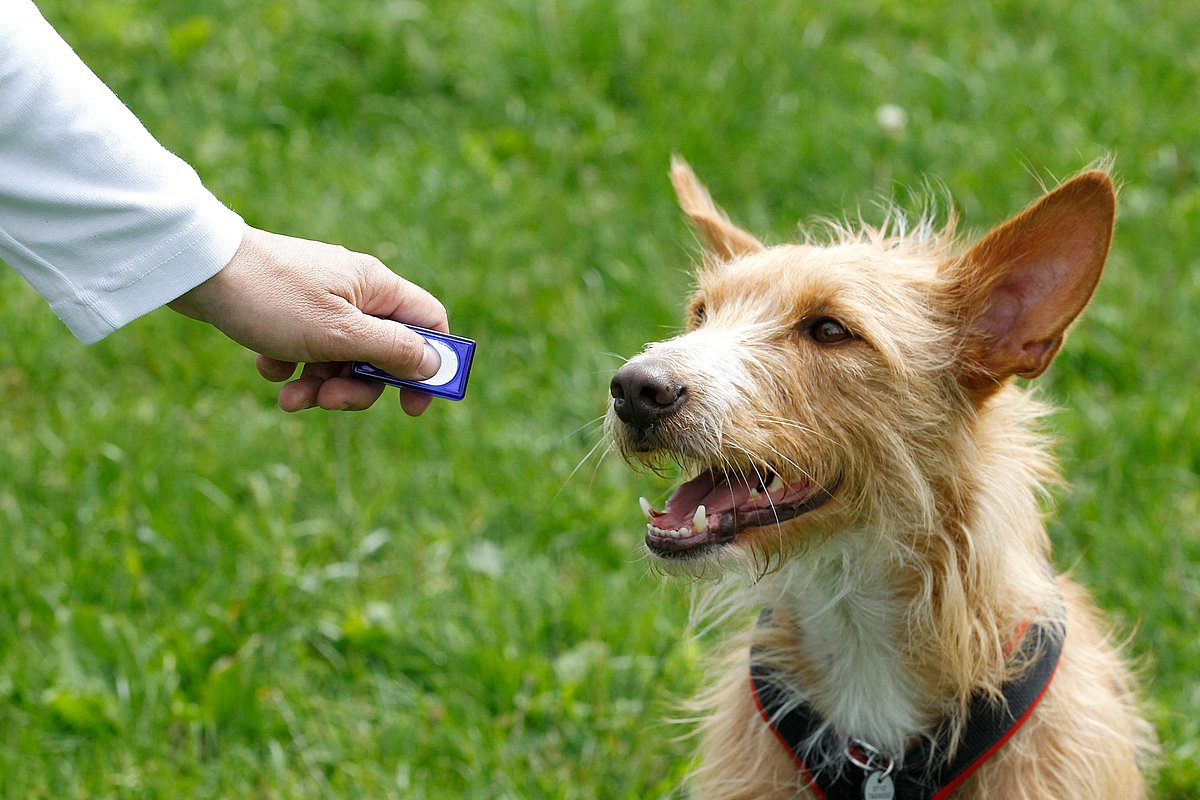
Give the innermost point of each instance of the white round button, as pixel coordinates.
(449, 367)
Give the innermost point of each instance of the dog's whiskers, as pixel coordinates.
(799, 426)
(591, 423)
(608, 447)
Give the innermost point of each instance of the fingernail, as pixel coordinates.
(431, 362)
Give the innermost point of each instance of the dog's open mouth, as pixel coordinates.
(715, 506)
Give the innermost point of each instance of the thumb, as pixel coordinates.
(395, 348)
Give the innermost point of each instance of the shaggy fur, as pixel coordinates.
(910, 546)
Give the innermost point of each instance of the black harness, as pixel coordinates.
(858, 771)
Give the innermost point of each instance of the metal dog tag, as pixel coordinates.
(878, 786)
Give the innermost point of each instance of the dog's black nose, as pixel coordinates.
(644, 392)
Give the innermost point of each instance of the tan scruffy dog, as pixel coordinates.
(868, 475)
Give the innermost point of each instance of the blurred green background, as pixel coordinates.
(201, 596)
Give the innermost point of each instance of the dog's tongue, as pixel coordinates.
(716, 491)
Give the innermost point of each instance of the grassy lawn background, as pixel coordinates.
(201, 596)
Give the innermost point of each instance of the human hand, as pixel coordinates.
(294, 300)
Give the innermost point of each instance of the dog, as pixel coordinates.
(866, 477)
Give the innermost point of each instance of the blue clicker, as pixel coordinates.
(450, 381)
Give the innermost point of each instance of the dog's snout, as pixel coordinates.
(645, 392)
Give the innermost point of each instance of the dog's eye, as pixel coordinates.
(827, 330)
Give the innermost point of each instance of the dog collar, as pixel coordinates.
(858, 771)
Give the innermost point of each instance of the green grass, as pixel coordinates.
(203, 597)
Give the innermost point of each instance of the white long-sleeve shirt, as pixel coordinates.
(102, 220)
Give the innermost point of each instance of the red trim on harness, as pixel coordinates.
(808, 778)
(1017, 637)
(951, 787)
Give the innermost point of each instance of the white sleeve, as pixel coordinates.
(101, 219)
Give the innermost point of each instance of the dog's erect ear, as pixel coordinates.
(1019, 287)
(723, 240)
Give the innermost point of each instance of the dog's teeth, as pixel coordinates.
(775, 485)
(754, 494)
(647, 509)
(671, 533)
(699, 520)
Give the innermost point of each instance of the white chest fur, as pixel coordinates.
(851, 624)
